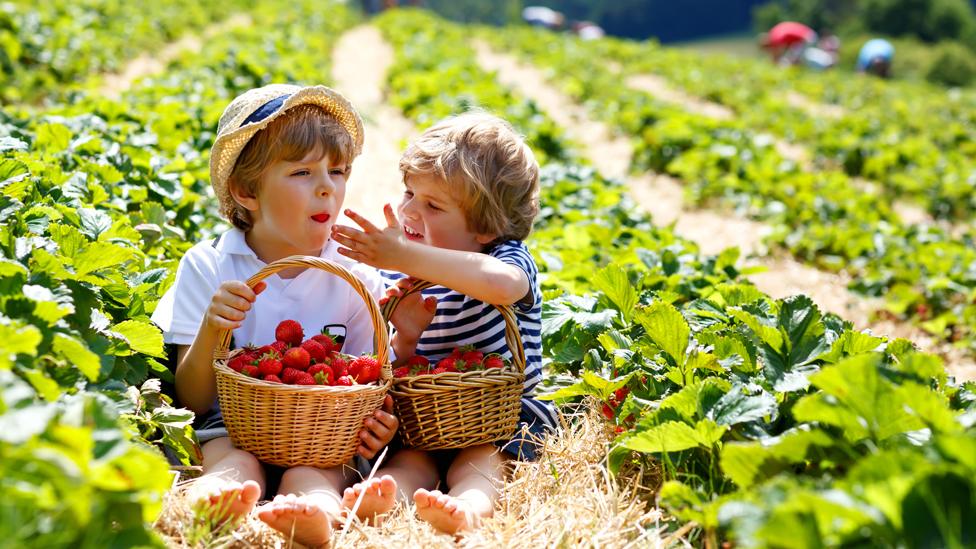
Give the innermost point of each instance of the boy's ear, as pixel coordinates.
(484, 239)
(241, 196)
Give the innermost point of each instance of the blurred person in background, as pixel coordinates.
(541, 16)
(787, 41)
(875, 57)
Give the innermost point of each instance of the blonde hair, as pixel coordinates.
(488, 169)
(290, 137)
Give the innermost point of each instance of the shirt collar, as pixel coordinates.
(233, 242)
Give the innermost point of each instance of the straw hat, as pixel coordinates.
(254, 109)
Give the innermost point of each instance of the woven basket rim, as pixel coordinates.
(381, 334)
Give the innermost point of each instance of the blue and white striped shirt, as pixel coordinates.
(461, 320)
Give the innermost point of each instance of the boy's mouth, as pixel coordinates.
(321, 217)
(412, 234)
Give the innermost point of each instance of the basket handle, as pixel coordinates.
(381, 335)
(512, 336)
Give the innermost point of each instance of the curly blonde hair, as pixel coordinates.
(488, 170)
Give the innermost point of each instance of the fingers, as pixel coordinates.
(371, 442)
(361, 221)
(391, 220)
(430, 304)
(388, 404)
(260, 287)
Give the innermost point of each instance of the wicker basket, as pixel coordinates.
(456, 410)
(291, 425)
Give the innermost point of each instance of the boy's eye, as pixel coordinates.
(301, 173)
(433, 207)
(408, 193)
(339, 171)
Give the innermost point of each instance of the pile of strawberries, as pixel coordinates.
(293, 360)
(461, 359)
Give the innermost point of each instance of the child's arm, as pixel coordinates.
(196, 385)
(474, 274)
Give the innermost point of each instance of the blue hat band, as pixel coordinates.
(265, 110)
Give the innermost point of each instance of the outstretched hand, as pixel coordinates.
(381, 248)
(412, 314)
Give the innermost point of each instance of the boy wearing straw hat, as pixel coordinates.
(279, 167)
(471, 195)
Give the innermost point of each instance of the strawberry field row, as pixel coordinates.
(775, 425)
(98, 201)
(48, 46)
(822, 216)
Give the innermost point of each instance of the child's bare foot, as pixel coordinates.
(379, 495)
(225, 501)
(445, 513)
(299, 518)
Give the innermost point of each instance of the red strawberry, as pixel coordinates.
(280, 347)
(288, 375)
(272, 378)
(620, 394)
(451, 364)
(344, 381)
(473, 356)
(269, 367)
(607, 411)
(326, 372)
(494, 361)
(296, 358)
(339, 366)
(326, 341)
(304, 379)
(237, 363)
(290, 332)
(364, 369)
(315, 350)
(418, 360)
(402, 371)
(250, 370)
(441, 370)
(266, 350)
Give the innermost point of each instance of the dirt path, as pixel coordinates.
(662, 197)
(155, 62)
(659, 88)
(359, 64)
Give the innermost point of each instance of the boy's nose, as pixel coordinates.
(326, 185)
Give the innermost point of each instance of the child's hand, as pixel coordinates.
(378, 430)
(380, 248)
(413, 314)
(230, 303)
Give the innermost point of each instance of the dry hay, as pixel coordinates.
(566, 499)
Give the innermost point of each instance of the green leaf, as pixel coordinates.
(851, 343)
(666, 328)
(938, 512)
(695, 400)
(101, 255)
(52, 138)
(736, 407)
(675, 436)
(748, 463)
(76, 353)
(16, 341)
(613, 281)
(861, 400)
(141, 337)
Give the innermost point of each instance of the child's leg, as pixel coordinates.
(473, 479)
(307, 503)
(405, 472)
(232, 481)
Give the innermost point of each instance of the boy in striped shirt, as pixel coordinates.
(471, 195)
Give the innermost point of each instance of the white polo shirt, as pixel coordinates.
(314, 298)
